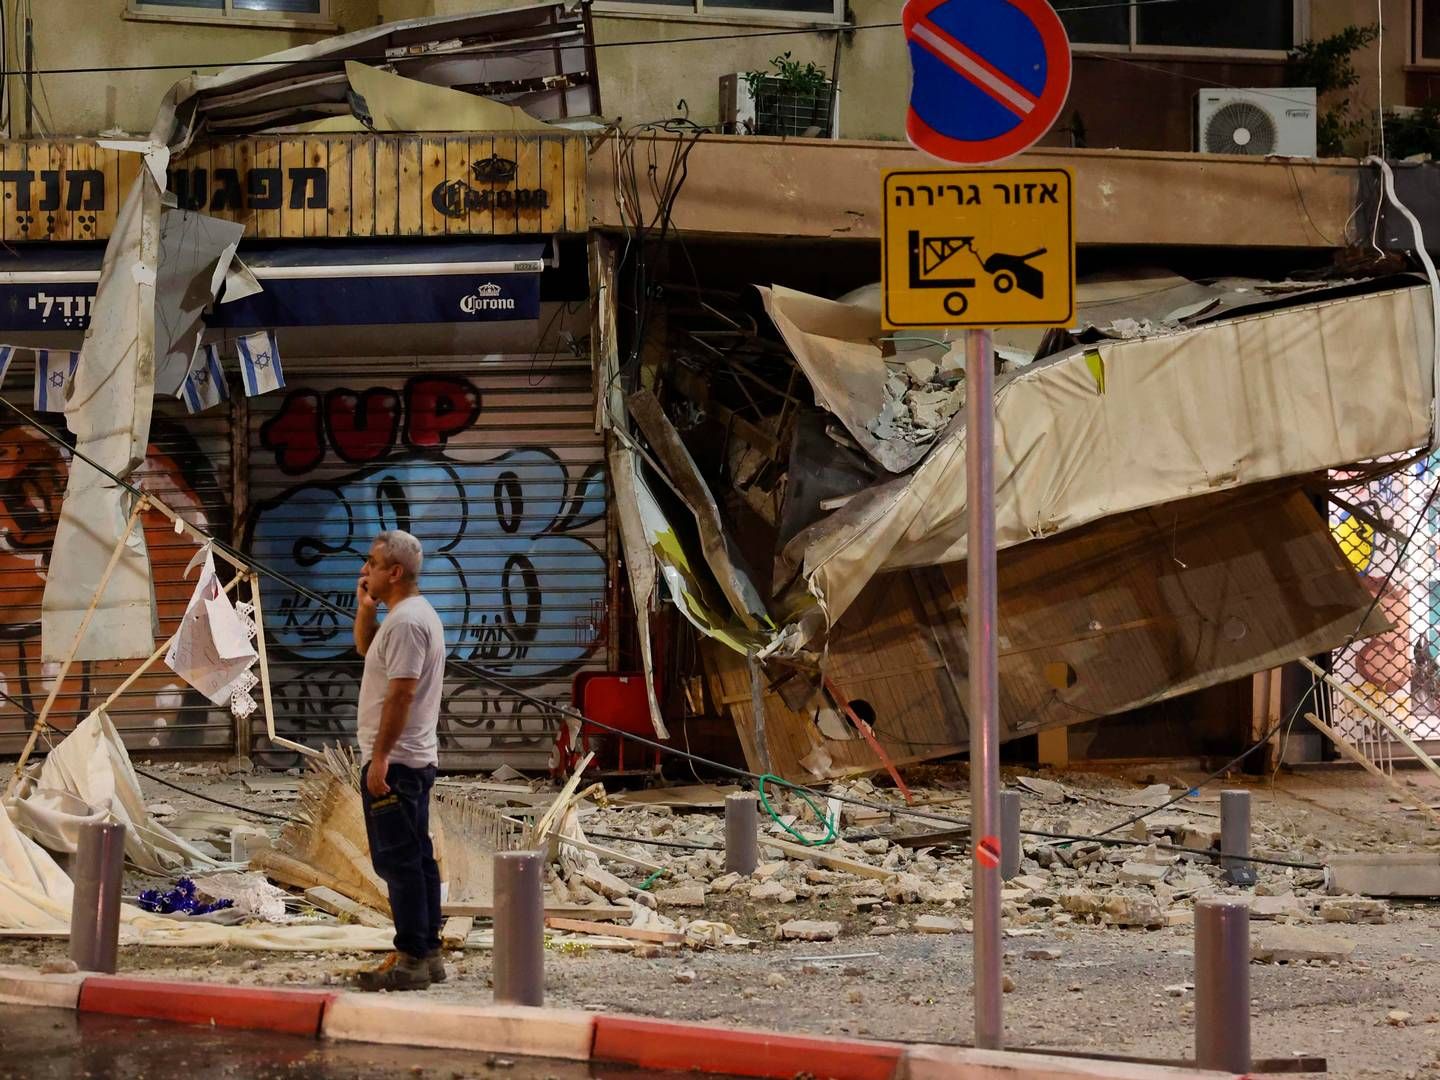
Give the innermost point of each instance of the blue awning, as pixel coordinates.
(336, 284)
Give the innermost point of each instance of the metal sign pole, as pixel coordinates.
(981, 592)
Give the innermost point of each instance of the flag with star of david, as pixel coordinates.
(260, 363)
(204, 386)
(53, 372)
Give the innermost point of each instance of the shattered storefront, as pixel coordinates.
(427, 293)
(1159, 470)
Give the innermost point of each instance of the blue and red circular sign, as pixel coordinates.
(990, 76)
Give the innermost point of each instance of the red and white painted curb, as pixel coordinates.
(417, 1020)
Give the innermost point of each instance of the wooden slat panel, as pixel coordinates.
(408, 187)
(222, 204)
(552, 179)
(82, 163)
(457, 167)
(267, 156)
(317, 156)
(577, 206)
(387, 186)
(14, 159)
(337, 216)
(432, 174)
(117, 180)
(362, 186)
(56, 220)
(481, 222)
(243, 160)
(505, 147)
(527, 179)
(292, 158)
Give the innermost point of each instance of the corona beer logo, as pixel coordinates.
(486, 298)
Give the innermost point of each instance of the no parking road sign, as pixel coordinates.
(978, 247)
(990, 76)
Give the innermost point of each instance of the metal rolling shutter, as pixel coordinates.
(495, 465)
(189, 467)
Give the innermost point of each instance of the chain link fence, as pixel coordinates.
(1389, 529)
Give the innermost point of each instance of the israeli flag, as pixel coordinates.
(53, 372)
(7, 353)
(204, 386)
(260, 363)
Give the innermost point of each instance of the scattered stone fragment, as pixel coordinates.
(883, 931)
(809, 930)
(1081, 902)
(1048, 790)
(1179, 989)
(1397, 1018)
(1007, 984)
(1354, 909)
(683, 896)
(772, 890)
(1033, 882)
(921, 371)
(1142, 873)
(59, 967)
(767, 870)
(855, 997)
(724, 883)
(1270, 907)
(952, 891)
(1280, 944)
(684, 976)
(876, 846)
(776, 980)
(1043, 954)
(1128, 910)
(905, 888)
(938, 924)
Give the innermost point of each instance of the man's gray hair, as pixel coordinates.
(402, 548)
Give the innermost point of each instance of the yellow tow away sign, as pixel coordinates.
(978, 247)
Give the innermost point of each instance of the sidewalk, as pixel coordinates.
(575, 1035)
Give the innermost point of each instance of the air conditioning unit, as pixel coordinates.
(1260, 121)
(772, 110)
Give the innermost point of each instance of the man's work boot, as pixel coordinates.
(436, 960)
(398, 971)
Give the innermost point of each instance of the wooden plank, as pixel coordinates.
(834, 862)
(481, 221)
(337, 214)
(596, 912)
(527, 179)
(268, 222)
(552, 180)
(456, 929)
(387, 186)
(14, 224)
(577, 208)
(82, 160)
(634, 933)
(317, 219)
(610, 853)
(505, 213)
(363, 152)
(432, 175)
(222, 157)
(243, 160)
(109, 162)
(327, 899)
(408, 185)
(292, 159)
(457, 167)
(56, 220)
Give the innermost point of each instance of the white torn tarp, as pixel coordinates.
(1118, 426)
(89, 777)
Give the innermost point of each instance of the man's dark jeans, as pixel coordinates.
(398, 825)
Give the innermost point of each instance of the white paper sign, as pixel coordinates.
(212, 649)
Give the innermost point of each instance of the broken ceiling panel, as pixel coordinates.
(1118, 426)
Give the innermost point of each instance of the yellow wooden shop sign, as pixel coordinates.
(337, 186)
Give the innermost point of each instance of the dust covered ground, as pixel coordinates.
(1370, 1003)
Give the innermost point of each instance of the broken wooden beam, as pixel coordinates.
(564, 911)
(327, 899)
(834, 862)
(634, 933)
(456, 929)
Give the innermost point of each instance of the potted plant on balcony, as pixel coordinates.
(790, 99)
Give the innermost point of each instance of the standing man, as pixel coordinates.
(399, 711)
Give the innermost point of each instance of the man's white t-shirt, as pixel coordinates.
(410, 644)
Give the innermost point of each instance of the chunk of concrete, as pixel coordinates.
(1142, 873)
(938, 924)
(682, 896)
(1274, 907)
(1354, 909)
(772, 890)
(1281, 944)
(1081, 902)
(809, 930)
(1126, 910)
(1385, 874)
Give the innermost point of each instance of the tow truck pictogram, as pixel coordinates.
(930, 255)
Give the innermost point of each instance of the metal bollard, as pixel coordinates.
(519, 951)
(1235, 837)
(1011, 850)
(1222, 984)
(742, 828)
(95, 904)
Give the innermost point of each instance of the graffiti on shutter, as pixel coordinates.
(189, 468)
(500, 475)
